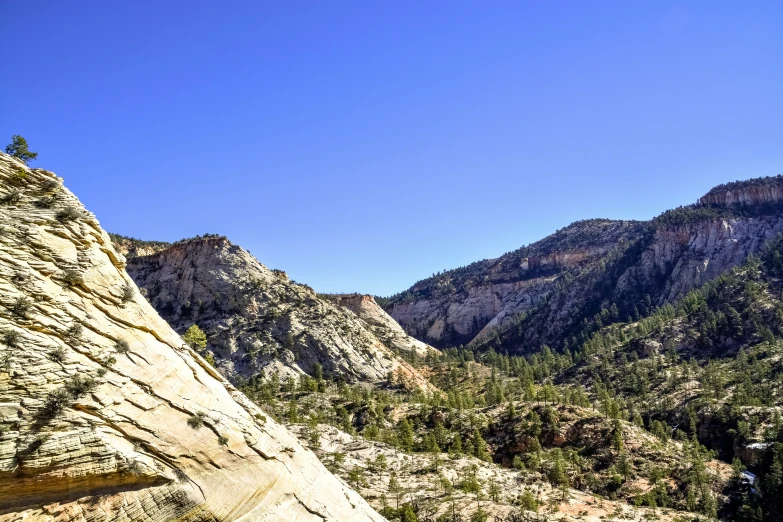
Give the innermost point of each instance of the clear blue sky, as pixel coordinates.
(362, 145)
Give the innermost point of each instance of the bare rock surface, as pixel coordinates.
(382, 325)
(105, 414)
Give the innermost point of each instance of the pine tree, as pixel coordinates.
(195, 338)
(18, 149)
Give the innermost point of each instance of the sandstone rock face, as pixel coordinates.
(258, 321)
(684, 257)
(105, 414)
(382, 325)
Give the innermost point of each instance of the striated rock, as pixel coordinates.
(259, 322)
(105, 414)
(757, 191)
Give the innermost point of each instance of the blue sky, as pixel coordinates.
(362, 146)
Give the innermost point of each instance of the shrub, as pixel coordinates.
(196, 421)
(72, 278)
(11, 338)
(127, 293)
(45, 202)
(57, 355)
(121, 346)
(56, 402)
(12, 197)
(223, 440)
(135, 468)
(68, 213)
(19, 176)
(50, 185)
(19, 149)
(79, 386)
(21, 306)
(74, 332)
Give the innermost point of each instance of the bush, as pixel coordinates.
(72, 278)
(19, 149)
(74, 333)
(45, 202)
(50, 185)
(79, 386)
(127, 293)
(122, 346)
(19, 176)
(68, 213)
(57, 355)
(21, 306)
(11, 338)
(196, 421)
(56, 402)
(12, 197)
(135, 468)
(223, 440)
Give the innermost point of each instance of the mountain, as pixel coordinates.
(259, 322)
(558, 290)
(462, 305)
(105, 413)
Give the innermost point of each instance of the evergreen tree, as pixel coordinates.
(19, 149)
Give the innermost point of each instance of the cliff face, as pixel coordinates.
(681, 258)
(258, 321)
(758, 191)
(105, 414)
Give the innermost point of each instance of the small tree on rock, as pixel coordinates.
(18, 149)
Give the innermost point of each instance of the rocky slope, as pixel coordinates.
(382, 325)
(259, 322)
(461, 305)
(579, 275)
(105, 414)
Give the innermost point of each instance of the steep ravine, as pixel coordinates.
(105, 414)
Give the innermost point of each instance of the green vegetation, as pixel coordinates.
(196, 420)
(195, 338)
(18, 148)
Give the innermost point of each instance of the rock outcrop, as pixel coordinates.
(382, 325)
(757, 191)
(105, 414)
(259, 322)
